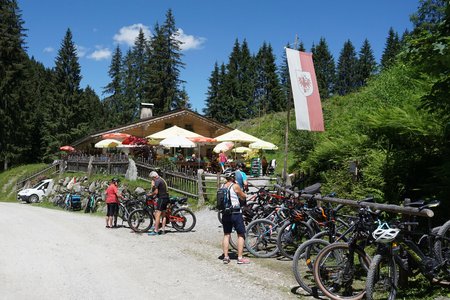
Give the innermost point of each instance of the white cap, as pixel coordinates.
(153, 174)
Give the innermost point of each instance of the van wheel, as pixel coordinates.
(33, 199)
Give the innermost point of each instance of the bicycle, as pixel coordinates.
(180, 217)
(305, 255)
(340, 269)
(399, 256)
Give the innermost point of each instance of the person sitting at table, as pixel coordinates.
(193, 158)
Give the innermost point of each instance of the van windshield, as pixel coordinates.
(37, 185)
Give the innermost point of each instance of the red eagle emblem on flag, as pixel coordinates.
(305, 82)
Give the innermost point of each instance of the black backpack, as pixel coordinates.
(224, 199)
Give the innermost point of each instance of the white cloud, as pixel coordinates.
(81, 51)
(190, 41)
(100, 54)
(128, 34)
(48, 50)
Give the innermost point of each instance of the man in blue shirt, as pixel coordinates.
(241, 177)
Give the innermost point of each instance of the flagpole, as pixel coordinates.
(286, 178)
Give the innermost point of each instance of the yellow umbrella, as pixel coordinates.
(263, 145)
(108, 143)
(241, 150)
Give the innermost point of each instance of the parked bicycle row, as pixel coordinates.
(135, 210)
(340, 253)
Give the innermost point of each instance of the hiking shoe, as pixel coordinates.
(153, 233)
(243, 261)
(226, 260)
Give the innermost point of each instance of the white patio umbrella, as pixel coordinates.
(263, 145)
(107, 143)
(173, 131)
(223, 146)
(176, 142)
(236, 136)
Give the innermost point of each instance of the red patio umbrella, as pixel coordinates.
(116, 135)
(67, 148)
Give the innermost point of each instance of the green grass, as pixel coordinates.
(8, 180)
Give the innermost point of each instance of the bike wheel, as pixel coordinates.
(302, 264)
(183, 219)
(340, 271)
(291, 236)
(261, 238)
(140, 220)
(442, 245)
(382, 278)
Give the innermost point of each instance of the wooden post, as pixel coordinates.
(201, 196)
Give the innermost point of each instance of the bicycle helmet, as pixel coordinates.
(384, 234)
(240, 165)
(115, 180)
(229, 174)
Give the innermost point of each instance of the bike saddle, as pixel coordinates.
(312, 189)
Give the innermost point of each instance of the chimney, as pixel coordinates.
(146, 110)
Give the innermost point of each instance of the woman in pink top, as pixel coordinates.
(112, 202)
(222, 160)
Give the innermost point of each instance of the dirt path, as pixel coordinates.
(53, 254)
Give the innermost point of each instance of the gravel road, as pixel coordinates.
(54, 254)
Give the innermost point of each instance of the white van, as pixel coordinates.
(37, 192)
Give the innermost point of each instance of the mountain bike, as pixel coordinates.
(180, 217)
(340, 269)
(399, 255)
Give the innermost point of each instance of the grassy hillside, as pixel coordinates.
(8, 180)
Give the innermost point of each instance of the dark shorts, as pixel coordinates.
(233, 220)
(161, 203)
(112, 209)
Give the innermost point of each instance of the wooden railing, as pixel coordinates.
(49, 170)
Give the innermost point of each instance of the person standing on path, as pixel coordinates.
(264, 165)
(222, 160)
(159, 190)
(234, 219)
(112, 202)
(241, 177)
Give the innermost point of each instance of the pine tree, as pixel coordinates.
(183, 101)
(212, 106)
(429, 14)
(12, 76)
(366, 64)
(68, 78)
(129, 90)
(230, 99)
(391, 49)
(325, 68)
(246, 76)
(268, 96)
(346, 78)
(114, 102)
(286, 90)
(163, 69)
(140, 59)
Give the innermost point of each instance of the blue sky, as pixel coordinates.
(209, 29)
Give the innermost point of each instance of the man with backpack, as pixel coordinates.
(232, 217)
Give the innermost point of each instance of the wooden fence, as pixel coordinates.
(192, 182)
(47, 171)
